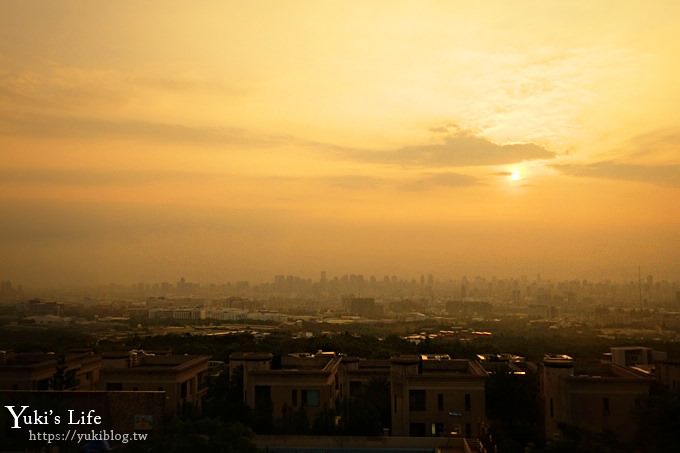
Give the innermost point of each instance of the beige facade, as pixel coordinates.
(629, 356)
(430, 395)
(181, 377)
(598, 397)
(37, 371)
(668, 373)
(356, 373)
(437, 396)
(304, 381)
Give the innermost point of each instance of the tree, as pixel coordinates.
(62, 378)
(377, 393)
(659, 422)
(205, 434)
(359, 418)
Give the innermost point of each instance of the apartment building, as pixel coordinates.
(668, 373)
(596, 396)
(640, 356)
(357, 373)
(181, 377)
(78, 370)
(435, 395)
(430, 395)
(303, 381)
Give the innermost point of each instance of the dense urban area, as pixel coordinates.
(474, 365)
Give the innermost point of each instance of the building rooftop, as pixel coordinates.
(424, 357)
(441, 364)
(37, 359)
(558, 360)
(502, 357)
(608, 371)
(149, 361)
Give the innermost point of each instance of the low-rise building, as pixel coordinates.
(668, 373)
(435, 395)
(356, 374)
(430, 395)
(598, 397)
(303, 381)
(49, 371)
(177, 314)
(181, 377)
(629, 356)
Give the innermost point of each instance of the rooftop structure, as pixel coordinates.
(435, 395)
(594, 396)
(430, 394)
(78, 370)
(303, 381)
(182, 377)
(504, 363)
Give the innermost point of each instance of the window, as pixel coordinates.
(437, 429)
(605, 406)
(354, 388)
(263, 395)
(310, 398)
(114, 386)
(183, 390)
(417, 430)
(551, 408)
(440, 401)
(293, 397)
(468, 402)
(468, 431)
(416, 400)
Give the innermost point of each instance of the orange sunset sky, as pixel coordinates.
(218, 140)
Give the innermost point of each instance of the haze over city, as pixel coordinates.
(227, 141)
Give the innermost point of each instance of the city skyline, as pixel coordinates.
(251, 140)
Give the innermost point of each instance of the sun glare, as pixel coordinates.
(515, 176)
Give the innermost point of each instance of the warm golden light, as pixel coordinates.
(240, 140)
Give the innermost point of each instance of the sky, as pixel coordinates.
(231, 140)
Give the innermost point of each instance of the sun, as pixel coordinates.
(515, 175)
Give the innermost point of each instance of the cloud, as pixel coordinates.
(72, 88)
(359, 182)
(54, 126)
(421, 182)
(98, 178)
(460, 149)
(432, 181)
(96, 128)
(426, 181)
(668, 175)
(658, 137)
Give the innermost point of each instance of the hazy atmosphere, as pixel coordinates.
(238, 140)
